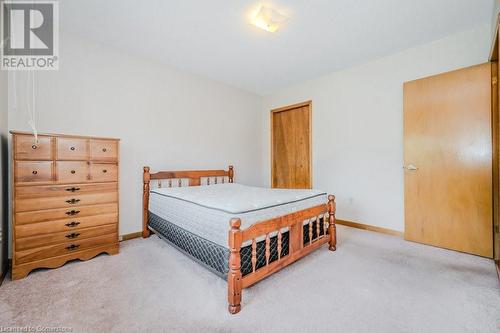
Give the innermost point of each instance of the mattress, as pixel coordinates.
(196, 220)
(205, 211)
(216, 257)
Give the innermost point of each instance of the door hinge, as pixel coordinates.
(494, 80)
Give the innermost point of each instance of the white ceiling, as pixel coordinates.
(213, 38)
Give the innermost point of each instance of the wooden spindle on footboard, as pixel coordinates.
(279, 244)
(231, 174)
(317, 227)
(234, 282)
(254, 254)
(268, 249)
(146, 178)
(332, 229)
(310, 232)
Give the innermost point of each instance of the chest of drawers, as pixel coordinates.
(65, 200)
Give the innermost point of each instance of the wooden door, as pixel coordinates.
(495, 51)
(291, 146)
(495, 118)
(448, 160)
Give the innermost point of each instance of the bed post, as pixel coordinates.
(230, 174)
(146, 177)
(332, 230)
(234, 283)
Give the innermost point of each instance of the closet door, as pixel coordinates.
(291, 146)
(496, 163)
(448, 160)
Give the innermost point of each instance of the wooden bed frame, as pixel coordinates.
(236, 236)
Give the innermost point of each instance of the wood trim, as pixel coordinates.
(22, 270)
(371, 228)
(189, 174)
(497, 264)
(287, 108)
(130, 236)
(280, 222)
(293, 106)
(64, 135)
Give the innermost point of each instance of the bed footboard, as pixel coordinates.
(324, 213)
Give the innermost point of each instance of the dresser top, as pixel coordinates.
(63, 135)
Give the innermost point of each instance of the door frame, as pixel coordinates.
(271, 122)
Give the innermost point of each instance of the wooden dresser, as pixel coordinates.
(65, 199)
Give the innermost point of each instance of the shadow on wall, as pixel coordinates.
(4, 161)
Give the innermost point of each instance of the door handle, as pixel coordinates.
(411, 167)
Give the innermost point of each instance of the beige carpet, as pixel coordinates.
(373, 283)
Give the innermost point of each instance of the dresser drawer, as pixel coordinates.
(25, 148)
(42, 191)
(67, 201)
(103, 150)
(65, 225)
(33, 172)
(72, 172)
(64, 237)
(64, 213)
(100, 172)
(63, 248)
(72, 149)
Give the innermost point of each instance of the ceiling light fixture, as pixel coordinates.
(268, 19)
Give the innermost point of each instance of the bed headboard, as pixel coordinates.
(187, 178)
(178, 179)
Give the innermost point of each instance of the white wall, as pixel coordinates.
(166, 119)
(496, 10)
(357, 125)
(172, 120)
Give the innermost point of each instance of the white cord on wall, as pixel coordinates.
(30, 110)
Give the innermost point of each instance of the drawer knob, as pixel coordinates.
(72, 247)
(34, 147)
(34, 172)
(73, 189)
(73, 171)
(72, 224)
(73, 235)
(104, 171)
(104, 150)
(72, 148)
(73, 201)
(72, 212)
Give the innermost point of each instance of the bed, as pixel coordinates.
(241, 233)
